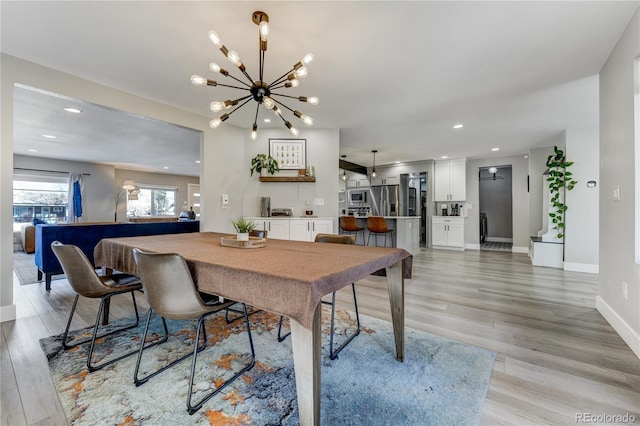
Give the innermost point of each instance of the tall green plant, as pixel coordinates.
(559, 180)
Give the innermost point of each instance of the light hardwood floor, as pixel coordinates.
(557, 356)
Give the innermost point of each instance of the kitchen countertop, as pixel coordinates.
(390, 217)
(287, 217)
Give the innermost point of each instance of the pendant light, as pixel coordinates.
(344, 171)
(373, 169)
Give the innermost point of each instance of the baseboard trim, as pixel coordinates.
(472, 246)
(581, 267)
(621, 327)
(7, 313)
(516, 249)
(500, 239)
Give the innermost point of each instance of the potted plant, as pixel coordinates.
(263, 163)
(243, 227)
(559, 179)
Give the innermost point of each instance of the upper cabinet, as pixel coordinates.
(450, 180)
(385, 180)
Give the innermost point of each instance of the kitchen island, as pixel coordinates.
(406, 232)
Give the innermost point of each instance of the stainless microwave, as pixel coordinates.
(358, 197)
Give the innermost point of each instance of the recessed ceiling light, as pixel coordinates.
(444, 157)
(73, 110)
(198, 161)
(495, 149)
(458, 126)
(49, 136)
(267, 120)
(165, 167)
(32, 150)
(397, 162)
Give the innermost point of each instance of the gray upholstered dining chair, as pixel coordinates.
(85, 282)
(334, 239)
(172, 294)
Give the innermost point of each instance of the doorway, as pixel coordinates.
(413, 187)
(496, 208)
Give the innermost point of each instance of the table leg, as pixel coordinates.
(395, 282)
(307, 346)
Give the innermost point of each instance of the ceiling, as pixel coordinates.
(392, 76)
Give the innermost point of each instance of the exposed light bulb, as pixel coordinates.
(234, 58)
(307, 120)
(215, 38)
(264, 30)
(307, 58)
(373, 173)
(217, 106)
(214, 67)
(344, 176)
(294, 131)
(254, 132)
(198, 81)
(301, 72)
(215, 123)
(268, 102)
(277, 110)
(313, 100)
(292, 83)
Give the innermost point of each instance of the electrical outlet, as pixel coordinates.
(625, 290)
(225, 201)
(616, 193)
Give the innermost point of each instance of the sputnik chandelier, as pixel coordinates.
(259, 90)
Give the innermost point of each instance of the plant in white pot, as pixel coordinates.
(263, 164)
(243, 227)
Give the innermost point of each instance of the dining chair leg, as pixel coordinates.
(103, 301)
(136, 379)
(229, 321)
(280, 336)
(334, 354)
(192, 408)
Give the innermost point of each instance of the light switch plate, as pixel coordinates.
(318, 201)
(225, 201)
(616, 193)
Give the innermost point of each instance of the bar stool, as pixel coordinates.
(377, 225)
(349, 225)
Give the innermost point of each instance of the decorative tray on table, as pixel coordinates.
(254, 242)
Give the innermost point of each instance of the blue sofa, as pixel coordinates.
(88, 235)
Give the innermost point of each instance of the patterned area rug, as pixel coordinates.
(441, 382)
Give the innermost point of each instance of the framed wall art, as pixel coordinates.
(291, 154)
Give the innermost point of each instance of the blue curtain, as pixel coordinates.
(75, 197)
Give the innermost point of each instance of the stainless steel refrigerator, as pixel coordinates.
(385, 200)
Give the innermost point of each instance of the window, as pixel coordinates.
(153, 201)
(39, 197)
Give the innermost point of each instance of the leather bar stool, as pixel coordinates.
(377, 225)
(349, 225)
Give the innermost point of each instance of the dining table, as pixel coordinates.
(284, 277)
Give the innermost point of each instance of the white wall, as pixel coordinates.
(581, 218)
(322, 150)
(520, 199)
(617, 167)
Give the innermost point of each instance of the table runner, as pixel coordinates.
(285, 277)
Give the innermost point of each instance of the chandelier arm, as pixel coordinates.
(281, 78)
(286, 96)
(278, 87)
(280, 103)
(261, 55)
(255, 120)
(233, 87)
(246, 74)
(238, 107)
(238, 80)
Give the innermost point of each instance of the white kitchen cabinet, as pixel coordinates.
(385, 180)
(450, 180)
(358, 183)
(277, 228)
(448, 232)
(408, 234)
(307, 229)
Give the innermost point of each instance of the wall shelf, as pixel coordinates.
(287, 178)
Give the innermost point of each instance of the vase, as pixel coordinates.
(242, 236)
(264, 171)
